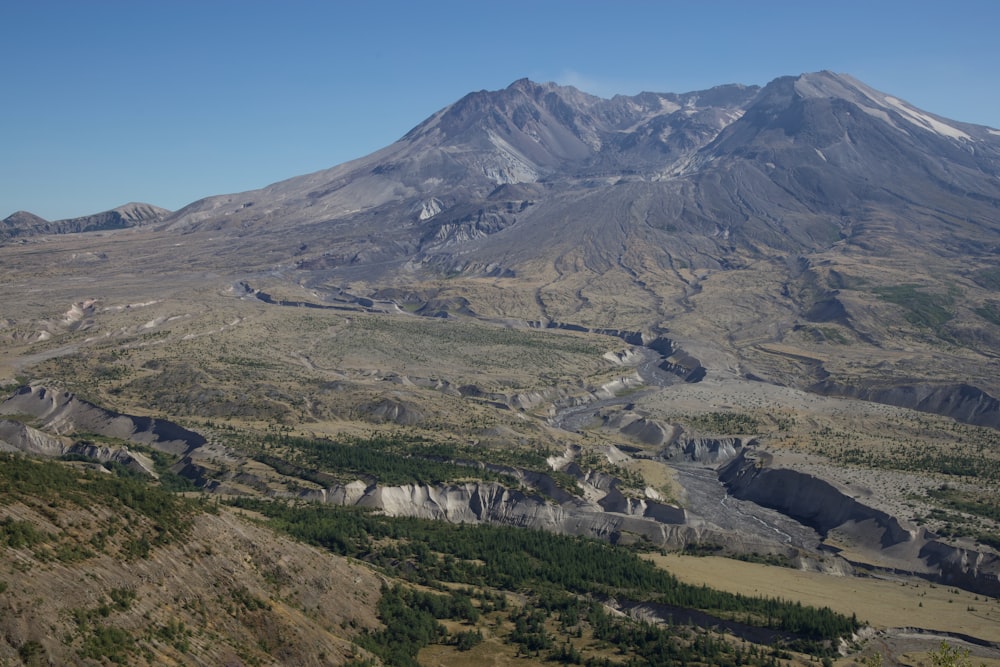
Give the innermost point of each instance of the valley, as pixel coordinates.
(406, 405)
(626, 449)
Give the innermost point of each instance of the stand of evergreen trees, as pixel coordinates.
(387, 459)
(547, 568)
(170, 515)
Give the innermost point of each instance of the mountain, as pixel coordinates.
(777, 227)
(811, 146)
(529, 135)
(22, 223)
(823, 151)
(753, 321)
(854, 208)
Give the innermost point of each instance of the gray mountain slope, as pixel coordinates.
(764, 224)
(796, 166)
(526, 133)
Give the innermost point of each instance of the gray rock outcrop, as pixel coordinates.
(621, 521)
(62, 412)
(18, 437)
(711, 451)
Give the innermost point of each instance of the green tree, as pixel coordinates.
(950, 656)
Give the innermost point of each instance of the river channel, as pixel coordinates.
(706, 496)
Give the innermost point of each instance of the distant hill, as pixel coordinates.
(23, 223)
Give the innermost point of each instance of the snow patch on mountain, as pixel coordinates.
(667, 106)
(882, 115)
(873, 102)
(926, 121)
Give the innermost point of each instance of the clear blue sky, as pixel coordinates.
(166, 101)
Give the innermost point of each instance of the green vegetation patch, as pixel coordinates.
(923, 309)
(411, 622)
(831, 335)
(101, 641)
(966, 501)
(915, 458)
(386, 459)
(989, 312)
(107, 643)
(542, 566)
(725, 422)
(18, 534)
(29, 420)
(988, 278)
(964, 512)
(169, 516)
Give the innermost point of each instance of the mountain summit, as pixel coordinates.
(711, 178)
(525, 133)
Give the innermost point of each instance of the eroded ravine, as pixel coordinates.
(707, 497)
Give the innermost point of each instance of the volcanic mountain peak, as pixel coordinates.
(534, 126)
(790, 167)
(537, 131)
(899, 114)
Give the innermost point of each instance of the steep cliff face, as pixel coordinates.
(808, 499)
(15, 436)
(967, 568)
(615, 518)
(705, 450)
(869, 531)
(962, 402)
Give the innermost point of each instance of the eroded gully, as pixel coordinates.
(706, 496)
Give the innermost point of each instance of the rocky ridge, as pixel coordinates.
(23, 224)
(62, 412)
(18, 437)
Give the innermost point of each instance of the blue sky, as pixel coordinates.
(167, 101)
